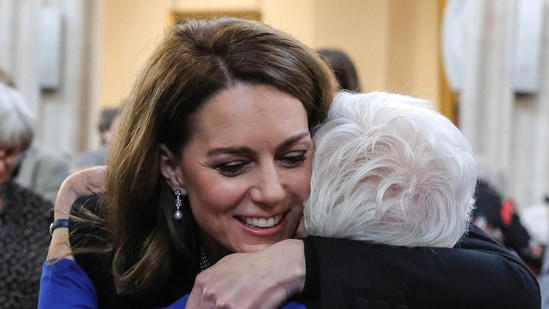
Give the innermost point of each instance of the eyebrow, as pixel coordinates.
(246, 150)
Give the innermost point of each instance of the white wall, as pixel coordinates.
(65, 121)
(508, 132)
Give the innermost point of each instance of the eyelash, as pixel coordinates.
(231, 169)
(235, 168)
(294, 160)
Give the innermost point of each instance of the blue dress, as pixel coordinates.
(64, 284)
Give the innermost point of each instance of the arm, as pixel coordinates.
(82, 183)
(65, 285)
(263, 279)
(343, 273)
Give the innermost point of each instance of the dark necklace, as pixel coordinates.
(204, 263)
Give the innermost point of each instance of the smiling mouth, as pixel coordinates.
(261, 222)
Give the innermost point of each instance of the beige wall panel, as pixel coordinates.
(412, 66)
(426, 64)
(133, 28)
(401, 47)
(393, 43)
(202, 5)
(358, 27)
(293, 17)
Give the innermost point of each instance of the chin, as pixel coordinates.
(254, 247)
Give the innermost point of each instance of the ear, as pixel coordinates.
(170, 169)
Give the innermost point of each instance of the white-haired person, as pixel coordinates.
(389, 169)
(40, 169)
(24, 215)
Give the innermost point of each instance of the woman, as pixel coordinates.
(24, 215)
(213, 156)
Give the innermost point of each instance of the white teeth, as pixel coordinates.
(262, 222)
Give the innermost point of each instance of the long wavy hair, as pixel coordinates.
(197, 59)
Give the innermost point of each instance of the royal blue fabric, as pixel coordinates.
(64, 285)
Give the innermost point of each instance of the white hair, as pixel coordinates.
(388, 169)
(16, 119)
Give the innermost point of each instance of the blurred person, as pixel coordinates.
(24, 215)
(206, 185)
(39, 169)
(42, 170)
(343, 69)
(499, 219)
(535, 219)
(108, 123)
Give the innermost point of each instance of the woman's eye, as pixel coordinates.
(294, 159)
(231, 168)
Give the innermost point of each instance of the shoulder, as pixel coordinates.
(477, 273)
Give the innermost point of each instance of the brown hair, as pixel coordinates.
(197, 59)
(343, 68)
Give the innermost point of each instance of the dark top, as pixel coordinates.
(478, 273)
(24, 241)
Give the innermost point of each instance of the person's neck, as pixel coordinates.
(213, 249)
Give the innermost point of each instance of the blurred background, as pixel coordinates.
(484, 64)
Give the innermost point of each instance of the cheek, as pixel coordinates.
(301, 182)
(214, 197)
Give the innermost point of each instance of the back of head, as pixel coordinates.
(107, 118)
(106, 121)
(16, 119)
(343, 68)
(388, 169)
(196, 60)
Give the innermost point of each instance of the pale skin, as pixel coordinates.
(9, 155)
(85, 182)
(249, 157)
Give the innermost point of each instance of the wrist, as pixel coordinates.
(293, 250)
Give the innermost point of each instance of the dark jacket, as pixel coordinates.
(477, 273)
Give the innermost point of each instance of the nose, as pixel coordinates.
(269, 189)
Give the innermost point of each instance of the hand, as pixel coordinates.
(263, 279)
(85, 182)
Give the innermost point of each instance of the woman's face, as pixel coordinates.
(247, 168)
(9, 156)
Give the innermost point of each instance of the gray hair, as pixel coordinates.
(390, 170)
(16, 119)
